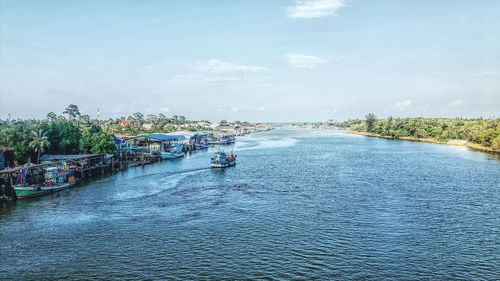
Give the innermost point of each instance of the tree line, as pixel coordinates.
(485, 132)
(73, 132)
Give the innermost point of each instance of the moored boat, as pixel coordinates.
(200, 146)
(229, 139)
(174, 152)
(223, 160)
(54, 180)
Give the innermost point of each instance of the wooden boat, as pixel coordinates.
(174, 152)
(200, 146)
(223, 160)
(227, 139)
(55, 180)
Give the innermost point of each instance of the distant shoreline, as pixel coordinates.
(462, 143)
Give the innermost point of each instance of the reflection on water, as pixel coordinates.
(300, 204)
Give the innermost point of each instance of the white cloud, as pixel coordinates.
(165, 109)
(314, 8)
(403, 105)
(217, 66)
(234, 109)
(305, 61)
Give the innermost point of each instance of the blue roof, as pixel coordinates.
(163, 137)
(200, 134)
(119, 141)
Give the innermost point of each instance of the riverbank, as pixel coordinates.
(464, 143)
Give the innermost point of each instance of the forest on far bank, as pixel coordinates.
(484, 132)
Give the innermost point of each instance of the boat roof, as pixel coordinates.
(27, 166)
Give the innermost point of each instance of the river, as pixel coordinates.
(300, 204)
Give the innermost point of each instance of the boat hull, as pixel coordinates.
(200, 146)
(24, 192)
(223, 165)
(217, 143)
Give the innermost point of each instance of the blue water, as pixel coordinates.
(300, 204)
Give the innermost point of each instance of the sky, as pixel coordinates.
(253, 60)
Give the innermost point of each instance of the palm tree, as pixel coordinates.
(39, 142)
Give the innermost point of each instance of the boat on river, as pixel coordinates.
(230, 139)
(200, 146)
(226, 139)
(55, 179)
(173, 152)
(223, 160)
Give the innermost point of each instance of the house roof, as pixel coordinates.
(164, 137)
(187, 134)
(62, 157)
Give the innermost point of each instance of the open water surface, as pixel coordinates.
(300, 204)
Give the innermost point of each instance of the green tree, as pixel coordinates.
(72, 111)
(51, 116)
(103, 143)
(370, 121)
(39, 142)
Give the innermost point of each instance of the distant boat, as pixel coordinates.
(223, 160)
(227, 139)
(217, 142)
(200, 146)
(174, 152)
(55, 180)
(230, 139)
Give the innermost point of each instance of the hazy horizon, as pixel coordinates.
(257, 61)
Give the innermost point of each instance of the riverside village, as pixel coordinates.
(103, 146)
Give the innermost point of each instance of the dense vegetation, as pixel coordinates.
(74, 132)
(484, 132)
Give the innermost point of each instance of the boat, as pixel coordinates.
(217, 141)
(200, 146)
(174, 152)
(229, 139)
(223, 160)
(200, 140)
(55, 179)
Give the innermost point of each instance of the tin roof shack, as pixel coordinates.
(194, 140)
(188, 136)
(139, 149)
(146, 148)
(7, 157)
(85, 165)
(164, 141)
